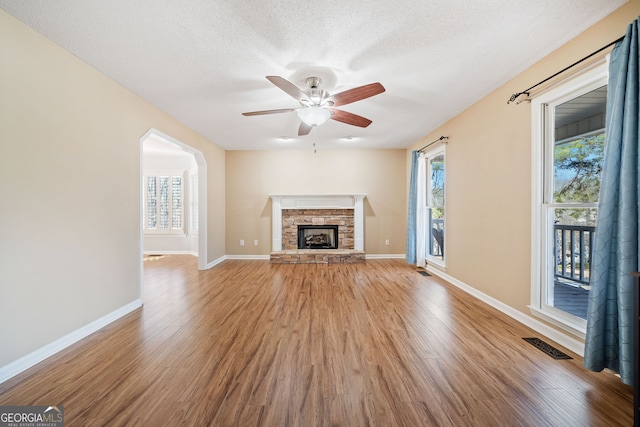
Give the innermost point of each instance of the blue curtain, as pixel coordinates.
(609, 338)
(410, 252)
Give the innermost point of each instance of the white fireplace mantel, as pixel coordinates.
(317, 201)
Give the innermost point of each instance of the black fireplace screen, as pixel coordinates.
(317, 237)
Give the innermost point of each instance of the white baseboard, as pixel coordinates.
(383, 256)
(215, 262)
(170, 253)
(267, 257)
(33, 358)
(250, 257)
(553, 334)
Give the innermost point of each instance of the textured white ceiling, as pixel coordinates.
(205, 61)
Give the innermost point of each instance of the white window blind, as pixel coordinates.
(164, 202)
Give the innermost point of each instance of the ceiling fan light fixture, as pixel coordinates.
(314, 116)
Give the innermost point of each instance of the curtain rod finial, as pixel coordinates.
(515, 96)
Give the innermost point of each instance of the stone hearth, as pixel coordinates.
(316, 256)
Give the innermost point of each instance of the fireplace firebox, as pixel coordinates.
(317, 237)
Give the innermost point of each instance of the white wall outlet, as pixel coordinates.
(241, 242)
(386, 242)
(255, 242)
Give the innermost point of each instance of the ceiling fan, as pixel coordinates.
(317, 105)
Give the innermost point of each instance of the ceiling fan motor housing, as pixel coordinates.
(313, 82)
(316, 94)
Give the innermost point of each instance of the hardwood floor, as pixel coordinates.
(252, 343)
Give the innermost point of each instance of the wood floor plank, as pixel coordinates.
(250, 343)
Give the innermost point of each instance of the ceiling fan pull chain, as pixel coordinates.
(315, 139)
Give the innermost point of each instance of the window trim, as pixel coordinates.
(595, 77)
(193, 213)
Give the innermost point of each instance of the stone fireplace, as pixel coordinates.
(332, 228)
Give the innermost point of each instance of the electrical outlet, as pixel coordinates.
(255, 242)
(386, 242)
(241, 242)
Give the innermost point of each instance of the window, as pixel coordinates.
(435, 200)
(568, 151)
(163, 202)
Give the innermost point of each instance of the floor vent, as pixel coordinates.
(547, 348)
(423, 272)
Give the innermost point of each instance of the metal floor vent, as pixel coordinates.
(423, 272)
(547, 348)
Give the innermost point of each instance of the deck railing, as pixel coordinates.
(436, 248)
(573, 247)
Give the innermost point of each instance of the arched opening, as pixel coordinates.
(173, 198)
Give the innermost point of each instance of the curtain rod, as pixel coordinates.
(431, 143)
(526, 91)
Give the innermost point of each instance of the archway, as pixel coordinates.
(156, 138)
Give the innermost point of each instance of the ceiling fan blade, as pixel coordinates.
(356, 94)
(289, 88)
(260, 113)
(349, 118)
(304, 129)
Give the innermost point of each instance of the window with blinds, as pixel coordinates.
(163, 202)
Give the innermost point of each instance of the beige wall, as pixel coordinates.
(253, 175)
(489, 175)
(69, 191)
